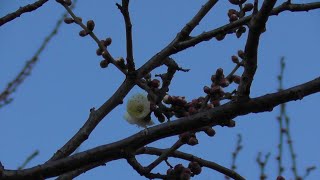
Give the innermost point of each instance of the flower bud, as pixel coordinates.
(206, 89)
(219, 73)
(233, 17)
(185, 174)
(178, 169)
(192, 141)
(232, 11)
(104, 63)
(83, 33)
(235, 59)
(239, 33)
(99, 52)
(213, 78)
(90, 25)
(120, 62)
(220, 36)
(209, 131)
(184, 137)
(108, 41)
(236, 79)
(195, 167)
(241, 54)
(155, 83)
(68, 20)
(248, 7)
(224, 82)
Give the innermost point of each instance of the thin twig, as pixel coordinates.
(124, 9)
(280, 120)
(29, 158)
(95, 38)
(21, 10)
(262, 165)
(190, 157)
(164, 155)
(236, 153)
(27, 69)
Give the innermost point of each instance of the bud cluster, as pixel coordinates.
(235, 15)
(189, 138)
(184, 173)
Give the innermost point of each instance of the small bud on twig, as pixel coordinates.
(90, 25)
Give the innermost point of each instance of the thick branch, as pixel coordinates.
(21, 10)
(212, 117)
(256, 27)
(77, 172)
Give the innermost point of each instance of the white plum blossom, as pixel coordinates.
(138, 111)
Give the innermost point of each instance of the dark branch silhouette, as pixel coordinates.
(177, 115)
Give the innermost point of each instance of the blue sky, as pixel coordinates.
(54, 102)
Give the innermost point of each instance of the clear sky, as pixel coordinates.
(54, 102)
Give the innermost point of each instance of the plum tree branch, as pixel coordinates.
(27, 69)
(206, 36)
(256, 27)
(215, 116)
(124, 9)
(191, 157)
(28, 8)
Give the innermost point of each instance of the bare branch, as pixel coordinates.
(94, 119)
(262, 165)
(295, 7)
(142, 171)
(27, 69)
(256, 27)
(78, 172)
(29, 158)
(190, 157)
(21, 10)
(188, 28)
(206, 36)
(164, 155)
(124, 9)
(105, 52)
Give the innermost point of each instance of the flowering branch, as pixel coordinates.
(212, 117)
